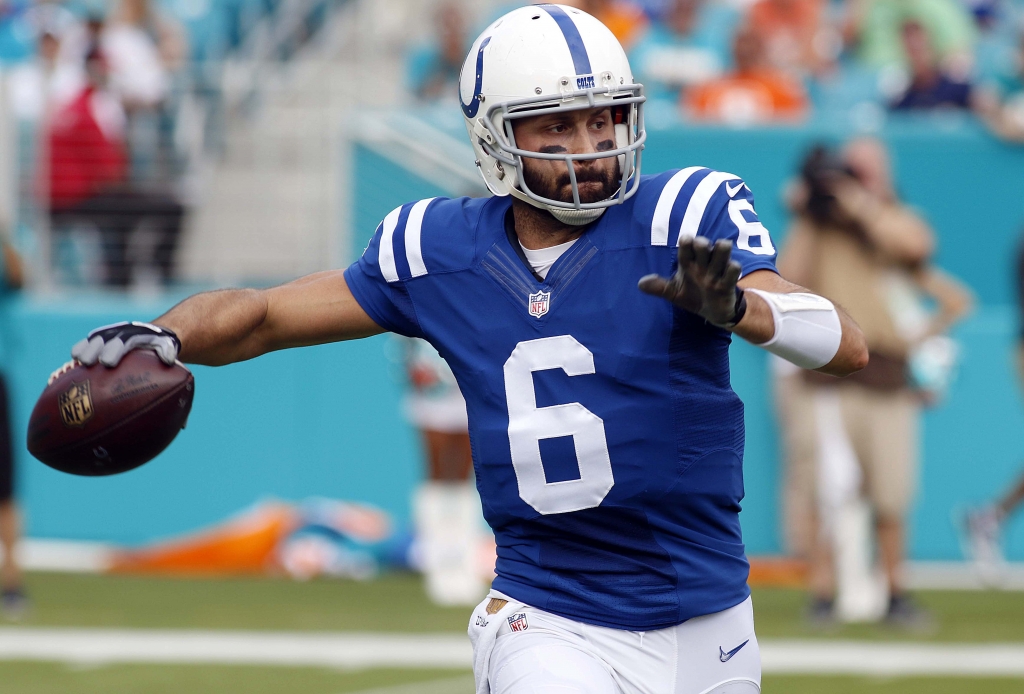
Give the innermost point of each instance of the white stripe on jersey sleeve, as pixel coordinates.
(386, 253)
(662, 212)
(699, 203)
(413, 229)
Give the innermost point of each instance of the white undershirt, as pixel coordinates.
(542, 259)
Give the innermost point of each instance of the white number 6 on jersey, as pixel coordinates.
(749, 230)
(528, 424)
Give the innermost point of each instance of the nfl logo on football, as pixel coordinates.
(539, 303)
(517, 622)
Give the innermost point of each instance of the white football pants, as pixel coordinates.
(536, 652)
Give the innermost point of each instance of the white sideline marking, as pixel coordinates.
(69, 556)
(892, 659)
(351, 650)
(452, 651)
(445, 686)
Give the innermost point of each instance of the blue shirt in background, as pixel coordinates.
(945, 93)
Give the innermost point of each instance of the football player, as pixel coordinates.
(607, 440)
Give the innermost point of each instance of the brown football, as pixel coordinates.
(93, 420)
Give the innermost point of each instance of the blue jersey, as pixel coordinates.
(607, 439)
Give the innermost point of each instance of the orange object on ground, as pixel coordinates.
(777, 572)
(244, 545)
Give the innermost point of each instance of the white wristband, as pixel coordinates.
(807, 328)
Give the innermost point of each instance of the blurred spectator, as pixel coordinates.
(874, 29)
(36, 85)
(88, 179)
(625, 19)
(984, 526)
(144, 50)
(856, 243)
(79, 38)
(793, 399)
(754, 92)
(13, 601)
(1001, 105)
(794, 33)
(690, 45)
(446, 506)
(930, 86)
(142, 47)
(434, 70)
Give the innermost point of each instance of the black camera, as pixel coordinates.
(821, 169)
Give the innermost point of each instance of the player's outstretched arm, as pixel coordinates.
(760, 324)
(230, 325)
(762, 308)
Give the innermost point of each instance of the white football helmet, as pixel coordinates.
(540, 59)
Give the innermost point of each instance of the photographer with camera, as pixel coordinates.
(856, 243)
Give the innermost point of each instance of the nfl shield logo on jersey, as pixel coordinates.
(539, 303)
(517, 622)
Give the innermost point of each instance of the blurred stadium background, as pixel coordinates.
(287, 129)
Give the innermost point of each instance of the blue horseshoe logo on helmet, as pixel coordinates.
(473, 106)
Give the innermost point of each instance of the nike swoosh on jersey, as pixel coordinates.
(726, 657)
(732, 191)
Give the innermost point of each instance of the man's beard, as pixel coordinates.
(561, 187)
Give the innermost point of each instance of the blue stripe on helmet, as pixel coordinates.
(473, 106)
(580, 58)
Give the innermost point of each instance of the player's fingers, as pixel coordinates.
(163, 346)
(86, 350)
(655, 285)
(686, 254)
(720, 254)
(166, 350)
(701, 251)
(112, 352)
(732, 274)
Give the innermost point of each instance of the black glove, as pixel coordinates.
(109, 344)
(704, 283)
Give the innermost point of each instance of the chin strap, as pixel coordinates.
(576, 218)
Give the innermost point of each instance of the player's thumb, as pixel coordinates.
(656, 285)
(166, 350)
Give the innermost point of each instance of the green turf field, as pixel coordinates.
(396, 603)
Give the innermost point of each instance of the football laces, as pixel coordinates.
(61, 371)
